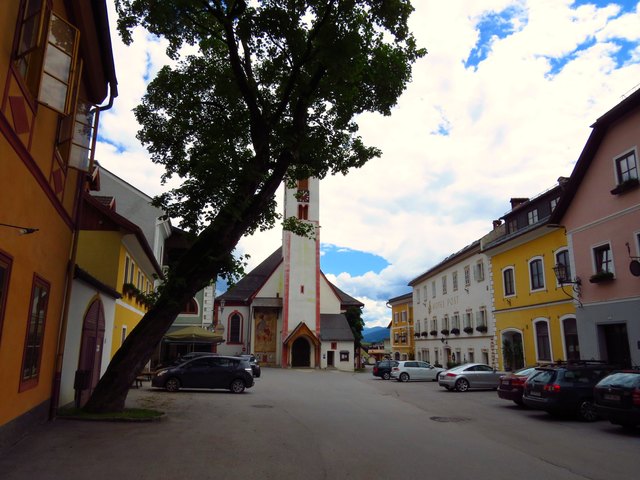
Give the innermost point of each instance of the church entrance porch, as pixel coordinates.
(301, 353)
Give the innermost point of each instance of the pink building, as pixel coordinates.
(601, 213)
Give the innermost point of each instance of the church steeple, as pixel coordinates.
(301, 302)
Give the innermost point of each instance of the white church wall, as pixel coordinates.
(227, 348)
(274, 286)
(329, 302)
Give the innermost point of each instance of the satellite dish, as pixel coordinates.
(634, 266)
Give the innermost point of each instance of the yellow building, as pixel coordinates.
(56, 70)
(116, 253)
(535, 315)
(401, 327)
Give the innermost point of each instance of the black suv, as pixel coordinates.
(232, 373)
(383, 368)
(617, 398)
(566, 388)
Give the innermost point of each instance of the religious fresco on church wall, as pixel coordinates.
(266, 324)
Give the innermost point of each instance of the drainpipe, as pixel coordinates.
(62, 332)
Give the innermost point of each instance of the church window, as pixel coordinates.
(235, 328)
(303, 212)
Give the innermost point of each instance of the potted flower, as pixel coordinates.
(481, 328)
(417, 334)
(425, 334)
(455, 331)
(434, 333)
(444, 331)
(603, 276)
(468, 330)
(129, 289)
(628, 184)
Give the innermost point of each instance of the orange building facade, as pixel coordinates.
(56, 75)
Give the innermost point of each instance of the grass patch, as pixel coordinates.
(128, 414)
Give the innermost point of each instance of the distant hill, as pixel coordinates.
(375, 334)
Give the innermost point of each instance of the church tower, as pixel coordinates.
(301, 257)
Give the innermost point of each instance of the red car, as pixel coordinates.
(512, 384)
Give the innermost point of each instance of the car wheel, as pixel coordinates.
(386, 376)
(237, 386)
(404, 377)
(587, 411)
(437, 377)
(462, 385)
(172, 384)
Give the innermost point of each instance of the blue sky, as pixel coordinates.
(499, 108)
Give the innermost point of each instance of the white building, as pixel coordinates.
(285, 311)
(452, 310)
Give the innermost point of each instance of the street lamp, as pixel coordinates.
(23, 230)
(562, 275)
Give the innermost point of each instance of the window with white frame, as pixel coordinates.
(554, 203)
(403, 316)
(543, 344)
(433, 289)
(455, 321)
(417, 295)
(395, 318)
(479, 271)
(603, 259)
(454, 280)
(508, 282)
(468, 319)
(562, 258)
(424, 293)
(444, 285)
(418, 326)
(532, 216)
(445, 322)
(481, 317)
(467, 276)
(536, 274)
(627, 167)
(434, 324)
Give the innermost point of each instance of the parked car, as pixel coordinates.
(470, 375)
(232, 373)
(566, 388)
(255, 366)
(617, 398)
(191, 356)
(407, 371)
(383, 368)
(512, 384)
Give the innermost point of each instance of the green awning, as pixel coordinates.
(194, 334)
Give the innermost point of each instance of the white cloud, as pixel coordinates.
(514, 126)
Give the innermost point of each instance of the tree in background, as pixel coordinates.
(354, 317)
(270, 96)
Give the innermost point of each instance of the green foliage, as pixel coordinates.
(274, 88)
(299, 227)
(354, 317)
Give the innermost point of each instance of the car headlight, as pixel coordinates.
(161, 372)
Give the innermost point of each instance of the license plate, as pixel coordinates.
(505, 382)
(535, 394)
(615, 398)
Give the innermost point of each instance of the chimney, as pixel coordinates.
(496, 223)
(517, 201)
(562, 181)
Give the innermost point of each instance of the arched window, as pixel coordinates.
(536, 274)
(543, 343)
(191, 308)
(562, 258)
(235, 328)
(508, 279)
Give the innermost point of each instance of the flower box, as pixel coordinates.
(481, 328)
(425, 334)
(434, 333)
(601, 277)
(444, 331)
(455, 331)
(625, 186)
(468, 330)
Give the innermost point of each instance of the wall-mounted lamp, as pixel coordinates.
(22, 230)
(562, 275)
(222, 302)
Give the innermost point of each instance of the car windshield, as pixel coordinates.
(627, 380)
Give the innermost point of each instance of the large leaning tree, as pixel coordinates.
(270, 95)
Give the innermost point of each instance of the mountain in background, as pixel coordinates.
(375, 334)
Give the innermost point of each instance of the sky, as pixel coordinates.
(500, 107)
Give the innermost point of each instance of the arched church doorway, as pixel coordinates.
(512, 350)
(301, 353)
